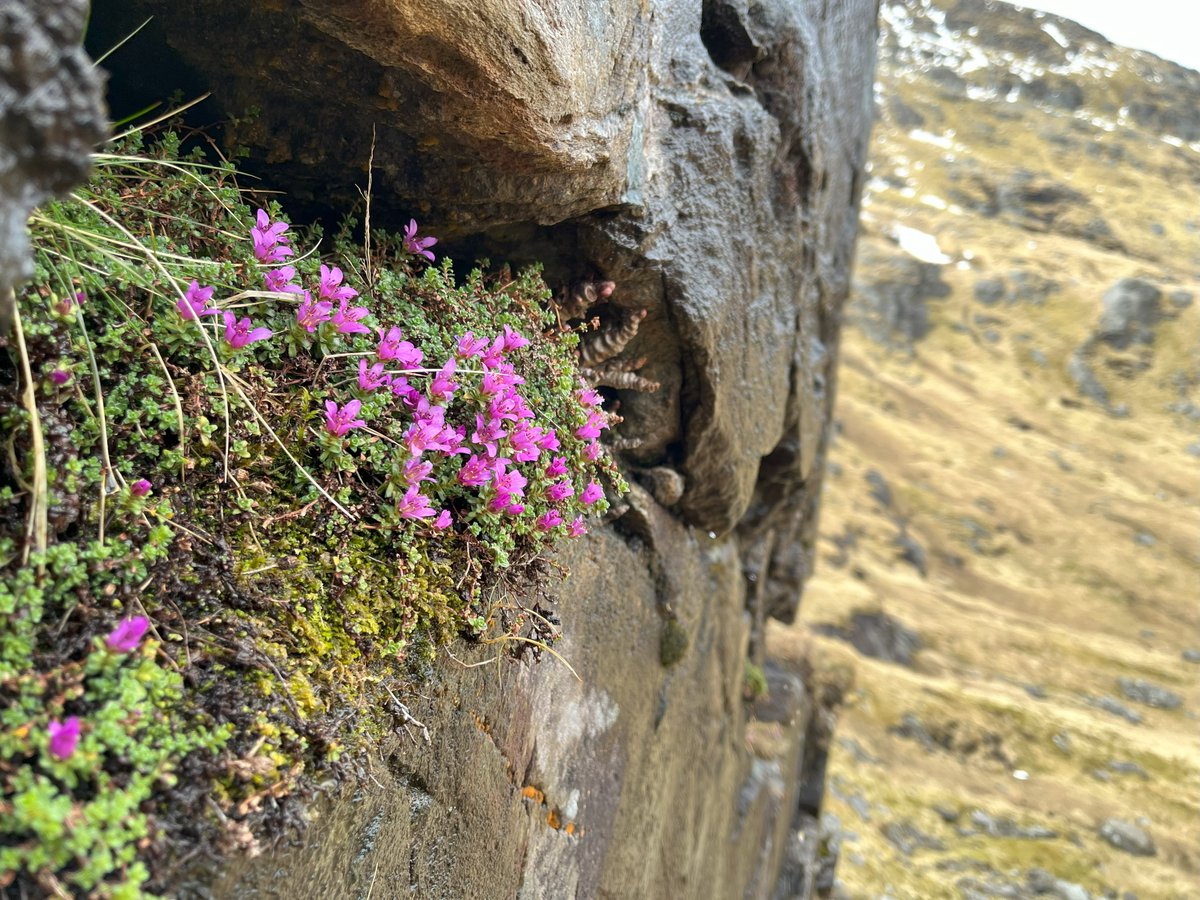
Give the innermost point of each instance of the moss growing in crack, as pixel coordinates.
(264, 501)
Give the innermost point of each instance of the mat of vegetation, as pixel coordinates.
(252, 476)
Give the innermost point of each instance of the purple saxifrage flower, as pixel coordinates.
(280, 280)
(442, 522)
(373, 377)
(63, 737)
(549, 520)
(417, 246)
(576, 529)
(339, 420)
(270, 243)
(312, 313)
(238, 332)
(141, 487)
(591, 493)
(127, 635)
(414, 504)
(194, 302)
(60, 377)
(332, 287)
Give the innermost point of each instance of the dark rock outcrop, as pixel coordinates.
(51, 117)
(891, 290)
(707, 158)
(1132, 308)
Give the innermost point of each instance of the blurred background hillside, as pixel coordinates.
(1008, 577)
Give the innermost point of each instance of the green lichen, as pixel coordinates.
(288, 598)
(672, 643)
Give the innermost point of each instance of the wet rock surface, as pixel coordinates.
(706, 158)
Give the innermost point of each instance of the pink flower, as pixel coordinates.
(313, 312)
(339, 420)
(557, 467)
(592, 451)
(474, 472)
(576, 529)
(442, 522)
(596, 421)
(510, 488)
(488, 434)
(589, 397)
(549, 440)
(442, 387)
(549, 520)
(238, 332)
(559, 491)
(469, 345)
(493, 355)
(417, 245)
(370, 379)
(280, 280)
(414, 505)
(591, 493)
(524, 443)
(416, 471)
(128, 634)
(513, 340)
(393, 347)
(63, 737)
(270, 244)
(60, 376)
(332, 287)
(346, 319)
(140, 488)
(194, 302)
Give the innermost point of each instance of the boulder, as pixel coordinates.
(1131, 311)
(51, 117)
(1127, 837)
(708, 159)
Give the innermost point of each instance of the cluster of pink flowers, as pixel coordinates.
(503, 439)
(64, 735)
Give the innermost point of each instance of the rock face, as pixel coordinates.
(707, 158)
(51, 116)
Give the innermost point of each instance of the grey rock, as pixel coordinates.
(1036, 691)
(948, 815)
(1004, 827)
(1112, 705)
(911, 551)
(891, 292)
(52, 115)
(1080, 371)
(1145, 539)
(1062, 741)
(1191, 654)
(881, 492)
(990, 291)
(1043, 883)
(1141, 691)
(1125, 767)
(1131, 312)
(1180, 299)
(903, 114)
(877, 635)
(1127, 837)
(907, 838)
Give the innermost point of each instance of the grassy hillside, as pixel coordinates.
(1044, 547)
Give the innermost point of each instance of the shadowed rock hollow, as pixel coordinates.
(707, 158)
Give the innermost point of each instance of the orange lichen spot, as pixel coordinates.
(532, 793)
(553, 820)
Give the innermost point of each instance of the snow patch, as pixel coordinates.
(920, 245)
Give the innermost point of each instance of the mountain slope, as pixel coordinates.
(1014, 512)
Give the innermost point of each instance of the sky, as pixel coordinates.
(1167, 28)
